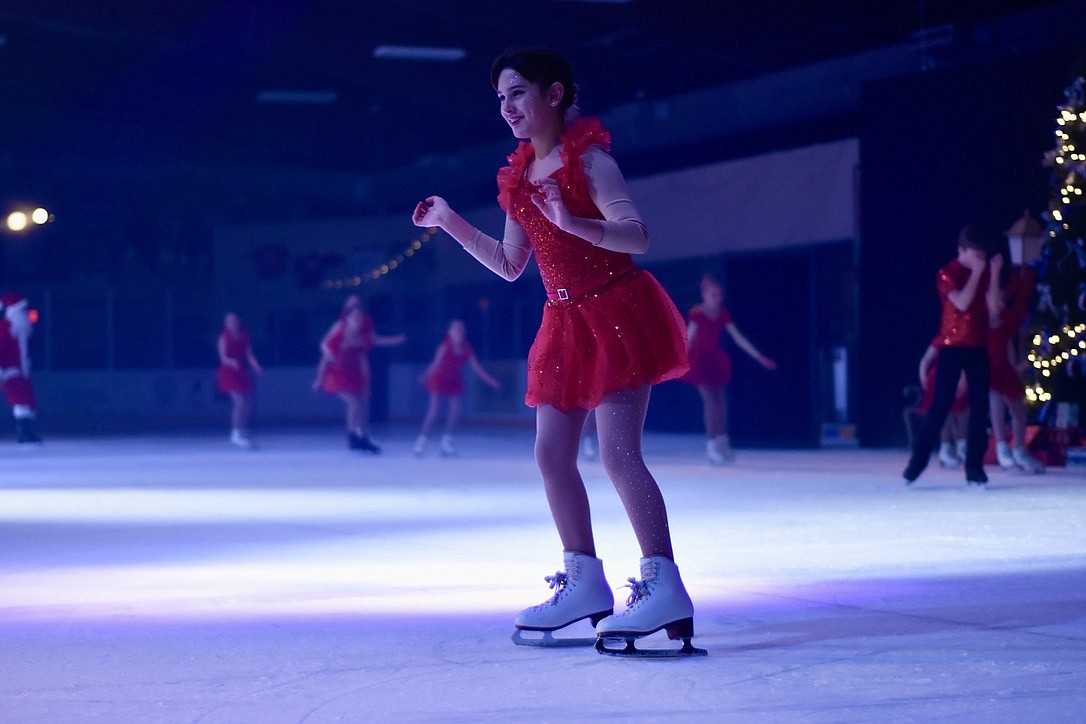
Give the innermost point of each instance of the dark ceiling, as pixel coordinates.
(148, 80)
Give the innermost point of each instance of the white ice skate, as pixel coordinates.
(719, 450)
(948, 458)
(1003, 455)
(238, 438)
(657, 601)
(1026, 462)
(580, 592)
(447, 449)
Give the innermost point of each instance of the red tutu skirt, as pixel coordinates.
(712, 367)
(348, 379)
(446, 385)
(19, 391)
(231, 379)
(624, 335)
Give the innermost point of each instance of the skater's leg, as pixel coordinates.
(946, 384)
(977, 375)
(712, 401)
(452, 415)
(620, 419)
(431, 414)
(352, 404)
(558, 434)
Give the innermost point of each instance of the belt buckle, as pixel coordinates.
(563, 294)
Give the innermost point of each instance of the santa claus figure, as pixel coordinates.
(15, 329)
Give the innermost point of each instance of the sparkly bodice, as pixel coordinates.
(566, 262)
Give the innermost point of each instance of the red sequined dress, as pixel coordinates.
(448, 379)
(345, 370)
(709, 364)
(607, 325)
(235, 379)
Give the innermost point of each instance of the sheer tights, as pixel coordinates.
(620, 419)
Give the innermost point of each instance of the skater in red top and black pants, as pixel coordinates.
(969, 291)
(609, 332)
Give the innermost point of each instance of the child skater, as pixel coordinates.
(344, 369)
(609, 332)
(968, 288)
(445, 380)
(15, 331)
(235, 360)
(1007, 393)
(711, 367)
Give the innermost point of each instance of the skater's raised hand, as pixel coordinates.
(431, 212)
(548, 199)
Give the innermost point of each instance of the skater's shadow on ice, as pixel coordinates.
(861, 610)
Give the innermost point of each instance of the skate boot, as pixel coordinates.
(420, 446)
(658, 601)
(1004, 457)
(238, 438)
(363, 443)
(24, 431)
(716, 455)
(447, 449)
(580, 592)
(1026, 462)
(948, 458)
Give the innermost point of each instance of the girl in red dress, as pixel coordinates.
(344, 369)
(445, 380)
(609, 332)
(1006, 392)
(235, 359)
(711, 367)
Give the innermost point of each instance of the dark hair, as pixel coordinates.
(979, 236)
(539, 66)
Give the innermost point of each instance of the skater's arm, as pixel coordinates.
(691, 330)
(252, 360)
(380, 340)
(962, 298)
(433, 363)
(483, 374)
(506, 258)
(749, 348)
(225, 359)
(621, 228)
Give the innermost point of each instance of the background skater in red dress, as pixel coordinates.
(609, 332)
(444, 379)
(15, 330)
(344, 370)
(236, 358)
(711, 367)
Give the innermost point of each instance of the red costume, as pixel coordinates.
(348, 370)
(1016, 297)
(16, 385)
(235, 378)
(447, 378)
(709, 364)
(959, 328)
(607, 325)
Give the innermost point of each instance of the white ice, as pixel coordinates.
(176, 579)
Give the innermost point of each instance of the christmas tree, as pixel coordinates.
(1057, 328)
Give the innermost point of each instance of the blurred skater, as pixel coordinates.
(444, 379)
(15, 331)
(711, 367)
(344, 369)
(236, 359)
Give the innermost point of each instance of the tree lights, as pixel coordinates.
(1057, 330)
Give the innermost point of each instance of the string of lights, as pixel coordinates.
(412, 248)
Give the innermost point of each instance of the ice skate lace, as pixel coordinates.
(557, 583)
(639, 591)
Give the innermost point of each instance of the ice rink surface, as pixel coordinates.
(176, 579)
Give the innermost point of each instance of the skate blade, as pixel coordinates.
(548, 640)
(630, 651)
